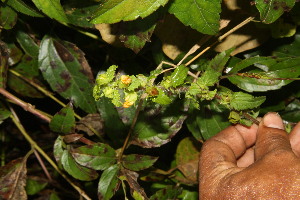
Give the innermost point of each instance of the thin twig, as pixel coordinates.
(35, 146)
(42, 165)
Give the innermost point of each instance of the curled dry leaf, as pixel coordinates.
(91, 121)
(108, 34)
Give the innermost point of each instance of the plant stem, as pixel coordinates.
(138, 109)
(35, 146)
(24, 105)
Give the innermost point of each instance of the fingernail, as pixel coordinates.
(273, 120)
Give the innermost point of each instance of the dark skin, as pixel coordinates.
(260, 162)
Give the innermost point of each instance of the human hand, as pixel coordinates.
(260, 162)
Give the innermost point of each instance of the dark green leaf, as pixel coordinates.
(4, 55)
(158, 124)
(98, 156)
(137, 162)
(125, 10)
(64, 67)
(34, 185)
(289, 50)
(15, 54)
(113, 125)
(169, 192)
(179, 75)
(200, 15)
(270, 80)
(271, 10)
(27, 44)
(135, 34)
(74, 169)
(52, 8)
(109, 182)
(63, 121)
(8, 17)
(4, 113)
(13, 179)
(22, 7)
(292, 112)
(211, 119)
(78, 12)
(244, 101)
(189, 195)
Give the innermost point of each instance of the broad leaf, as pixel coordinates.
(277, 76)
(292, 112)
(8, 17)
(4, 55)
(52, 8)
(169, 192)
(58, 150)
(271, 10)
(98, 156)
(244, 101)
(22, 7)
(13, 179)
(201, 15)
(64, 67)
(15, 54)
(211, 119)
(63, 121)
(4, 113)
(74, 169)
(27, 43)
(187, 158)
(158, 124)
(108, 183)
(125, 10)
(137, 162)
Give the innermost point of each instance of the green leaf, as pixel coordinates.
(27, 44)
(273, 79)
(162, 98)
(4, 113)
(158, 124)
(66, 70)
(4, 55)
(34, 186)
(125, 10)
(22, 7)
(8, 17)
(58, 150)
(179, 75)
(137, 162)
(200, 15)
(189, 195)
(97, 156)
(271, 10)
(52, 8)
(219, 61)
(208, 78)
(108, 183)
(244, 101)
(108, 76)
(211, 119)
(169, 192)
(15, 54)
(74, 169)
(63, 121)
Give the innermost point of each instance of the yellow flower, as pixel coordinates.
(125, 79)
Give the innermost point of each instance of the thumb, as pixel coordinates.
(271, 137)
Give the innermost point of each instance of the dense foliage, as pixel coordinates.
(122, 93)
